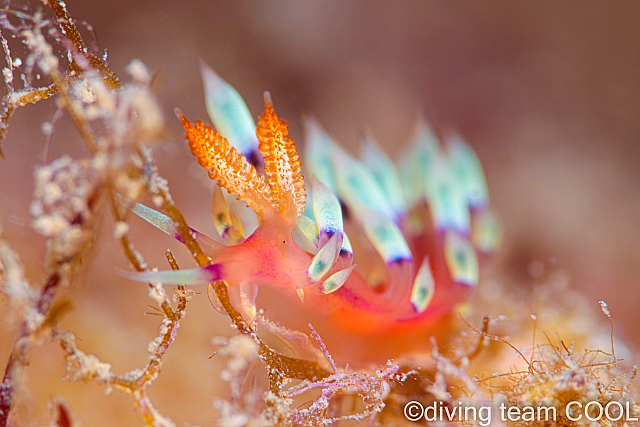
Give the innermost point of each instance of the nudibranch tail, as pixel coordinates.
(282, 163)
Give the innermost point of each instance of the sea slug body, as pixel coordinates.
(375, 258)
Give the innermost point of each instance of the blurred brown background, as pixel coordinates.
(547, 93)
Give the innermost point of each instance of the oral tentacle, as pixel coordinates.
(168, 226)
(191, 277)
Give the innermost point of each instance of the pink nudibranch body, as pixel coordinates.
(386, 307)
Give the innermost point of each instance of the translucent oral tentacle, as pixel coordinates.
(223, 220)
(446, 198)
(461, 259)
(318, 148)
(468, 172)
(415, 161)
(356, 185)
(326, 257)
(191, 277)
(327, 211)
(385, 174)
(167, 225)
(230, 115)
(423, 287)
(336, 280)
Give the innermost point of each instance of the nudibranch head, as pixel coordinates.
(416, 232)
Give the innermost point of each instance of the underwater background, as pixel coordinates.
(548, 95)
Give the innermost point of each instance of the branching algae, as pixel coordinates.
(357, 267)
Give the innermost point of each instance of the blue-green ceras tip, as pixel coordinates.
(384, 172)
(446, 197)
(229, 113)
(385, 236)
(415, 161)
(468, 172)
(423, 287)
(461, 259)
(326, 210)
(357, 185)
(327, 255)
(318, 147)
(336, 280)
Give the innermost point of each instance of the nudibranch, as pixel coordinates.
(416, 234)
